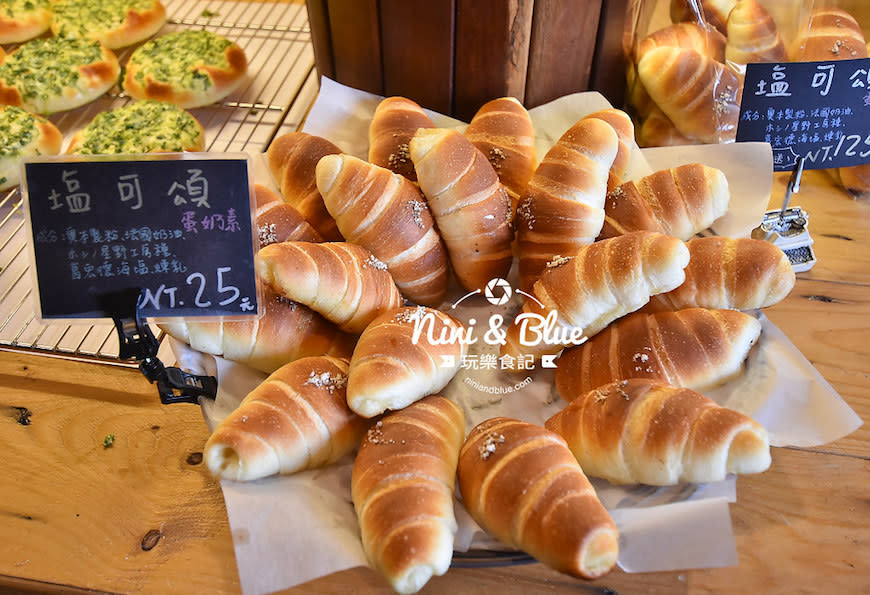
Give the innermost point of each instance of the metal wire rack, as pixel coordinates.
(281, 86)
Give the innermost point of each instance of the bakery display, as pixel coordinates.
(190, 68)
(393, 125)
(523, 485)
(114, 23)
(343, 282)
(643, 431)
(469, 203)
(385, 213)
(401, 357)
(753, 35)
(600, 283)
(22, 135)
(292, 159)
(55, 74)
(402, 490)
(140, 127)
(296, 419)
(694, 348)
(23, 20)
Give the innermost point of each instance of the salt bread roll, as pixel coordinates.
(402, 489)
(643, 431)
(393, 125)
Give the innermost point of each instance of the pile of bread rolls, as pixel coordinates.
(355, 254)
(685, 78)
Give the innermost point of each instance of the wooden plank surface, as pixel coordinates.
(356, 44)
(492, 52)
(321, 39)
(417, 51)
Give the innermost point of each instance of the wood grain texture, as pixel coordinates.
(561, 48)
(356, 44)
(321, 41)
(492, 52)
(417, 51)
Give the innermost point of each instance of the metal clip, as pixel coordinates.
(788, 227)
(138, 342)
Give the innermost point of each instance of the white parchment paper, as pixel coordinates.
(289, 530)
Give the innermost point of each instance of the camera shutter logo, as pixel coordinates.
(498, 292)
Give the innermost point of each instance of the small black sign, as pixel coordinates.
(176, 226)
(816, 110)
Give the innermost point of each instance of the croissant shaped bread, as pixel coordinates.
(279, 221)
(503, 131)
(713, 12)
(563, 207)
(402, 489)
(286, 331)
(679, 201)
(689, 35)
(292, 159)
(643, 431)
(393, 125)
(693, 348)
(403, 356)
(737, 273)
(469, 203)
(385, 213)
(295, 419)
(343, 282)
(600, 283)
(522, 484)
(624, 128)
(753, 35)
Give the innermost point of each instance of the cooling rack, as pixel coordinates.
(281, 86)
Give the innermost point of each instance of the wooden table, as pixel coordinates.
(145, 516)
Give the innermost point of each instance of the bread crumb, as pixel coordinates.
(327, 380)
(375, 435)
(490, 441)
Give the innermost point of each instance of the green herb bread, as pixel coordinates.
(22, 135)
(56, 74)
(22, 20)
(141, 127)
(189, 68)
(114, 23)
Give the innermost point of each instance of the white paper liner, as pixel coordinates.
(289, 530)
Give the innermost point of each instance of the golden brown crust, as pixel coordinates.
(829, 33)
(278, 221)
(694, 348)
(642, 431)
(402, 489)
(521, 483)
(385, 212)
(393, 125)
(136, 26)
(688, 35)
(753, 35)
(47, 139)
(292, 159)
(24, 27)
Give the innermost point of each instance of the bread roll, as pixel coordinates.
(403, 356)
(693, 348)
(828, 33)
(295, 419)
(656, 130)
(521, 483)
(600, 283)
(735, 273)
(286, 331)
(699, 95)
(23, 21)
(341, 281)
(393, 125)
(712, 12)
(624, 128)
(563, 208)
(688, 35)
(469, 203)
(643, 431)
(385, 213)
(114, 24)
(679, 201)
(292, 159)
(402, 488)
(278, 221)
(24, 135)
(503, 131)
(753, 35)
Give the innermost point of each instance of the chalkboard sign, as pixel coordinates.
(816, 110)
(177, 226)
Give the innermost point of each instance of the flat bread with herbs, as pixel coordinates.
(22, 20)
(190, 68)
(56, 74)
(141, 127)
(114, 23)
(22, 135)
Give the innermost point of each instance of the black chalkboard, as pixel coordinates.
(816, 110)
(176, 226)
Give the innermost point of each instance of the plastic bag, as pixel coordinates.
(686, 60)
